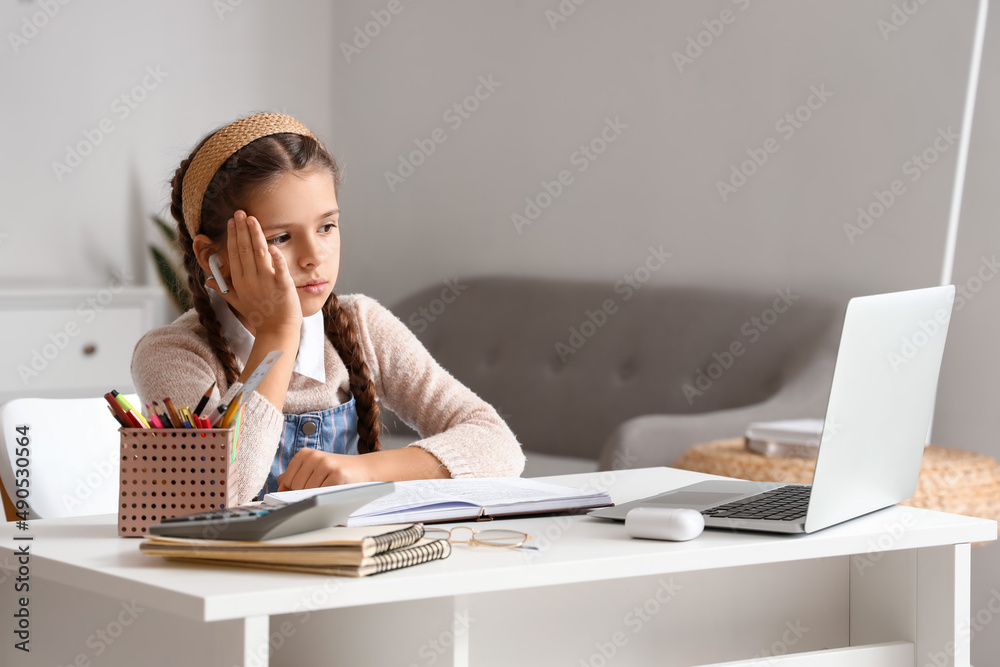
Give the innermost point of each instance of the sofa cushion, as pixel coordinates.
(565, 362)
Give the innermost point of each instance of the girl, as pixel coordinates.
(262, 194)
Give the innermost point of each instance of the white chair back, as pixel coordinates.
(72, 447)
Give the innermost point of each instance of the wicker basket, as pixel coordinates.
(951, 480)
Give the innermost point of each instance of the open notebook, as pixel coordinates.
(428, 500)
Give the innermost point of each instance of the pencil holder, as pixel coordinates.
(171, 472)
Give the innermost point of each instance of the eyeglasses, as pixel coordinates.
(493, 537)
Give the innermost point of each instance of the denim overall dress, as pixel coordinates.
(332, 430)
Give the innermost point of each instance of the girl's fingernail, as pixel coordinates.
(232, 223)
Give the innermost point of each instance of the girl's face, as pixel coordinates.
(298, 214)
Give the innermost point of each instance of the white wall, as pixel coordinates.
(72, 229)
(657, 183)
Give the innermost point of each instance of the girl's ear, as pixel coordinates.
(204, 248)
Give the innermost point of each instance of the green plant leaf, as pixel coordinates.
(166, 229)
(179, 293)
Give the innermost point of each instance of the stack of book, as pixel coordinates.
(795, 438)
(341, 551)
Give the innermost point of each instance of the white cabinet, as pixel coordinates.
(58, 343)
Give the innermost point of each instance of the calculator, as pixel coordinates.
(253, 523)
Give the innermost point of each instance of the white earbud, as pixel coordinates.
(664, 523)
(216, 265)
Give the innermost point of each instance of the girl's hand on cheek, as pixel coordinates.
(262, 289)
(311, 468)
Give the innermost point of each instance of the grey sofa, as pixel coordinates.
(589, 379)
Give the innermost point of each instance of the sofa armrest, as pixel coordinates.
(659, 439)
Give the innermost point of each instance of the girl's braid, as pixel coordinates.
(196, 283)
(344, 338)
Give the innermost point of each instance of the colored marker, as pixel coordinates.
(153, 417)
(120, 413)
(126, 406)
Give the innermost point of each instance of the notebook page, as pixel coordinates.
(476, 492)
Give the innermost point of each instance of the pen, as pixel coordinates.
(186, 417)
(175, 417)
(219, 411)
(164, 418)
(204, 400)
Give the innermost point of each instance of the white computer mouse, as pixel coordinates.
(664, 523)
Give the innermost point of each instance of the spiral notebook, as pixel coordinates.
(352, 552)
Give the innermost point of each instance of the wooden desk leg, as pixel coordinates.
(921, 595)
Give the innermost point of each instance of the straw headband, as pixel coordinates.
(219, 148)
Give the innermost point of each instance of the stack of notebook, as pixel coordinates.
(342, 551)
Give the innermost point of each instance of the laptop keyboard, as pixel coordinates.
(785, 503)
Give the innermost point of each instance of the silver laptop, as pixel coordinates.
(876, 426)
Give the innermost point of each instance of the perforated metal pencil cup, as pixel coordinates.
(168, 472)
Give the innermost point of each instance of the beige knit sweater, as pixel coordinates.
(464, 432)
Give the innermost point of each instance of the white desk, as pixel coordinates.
(891, 588)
